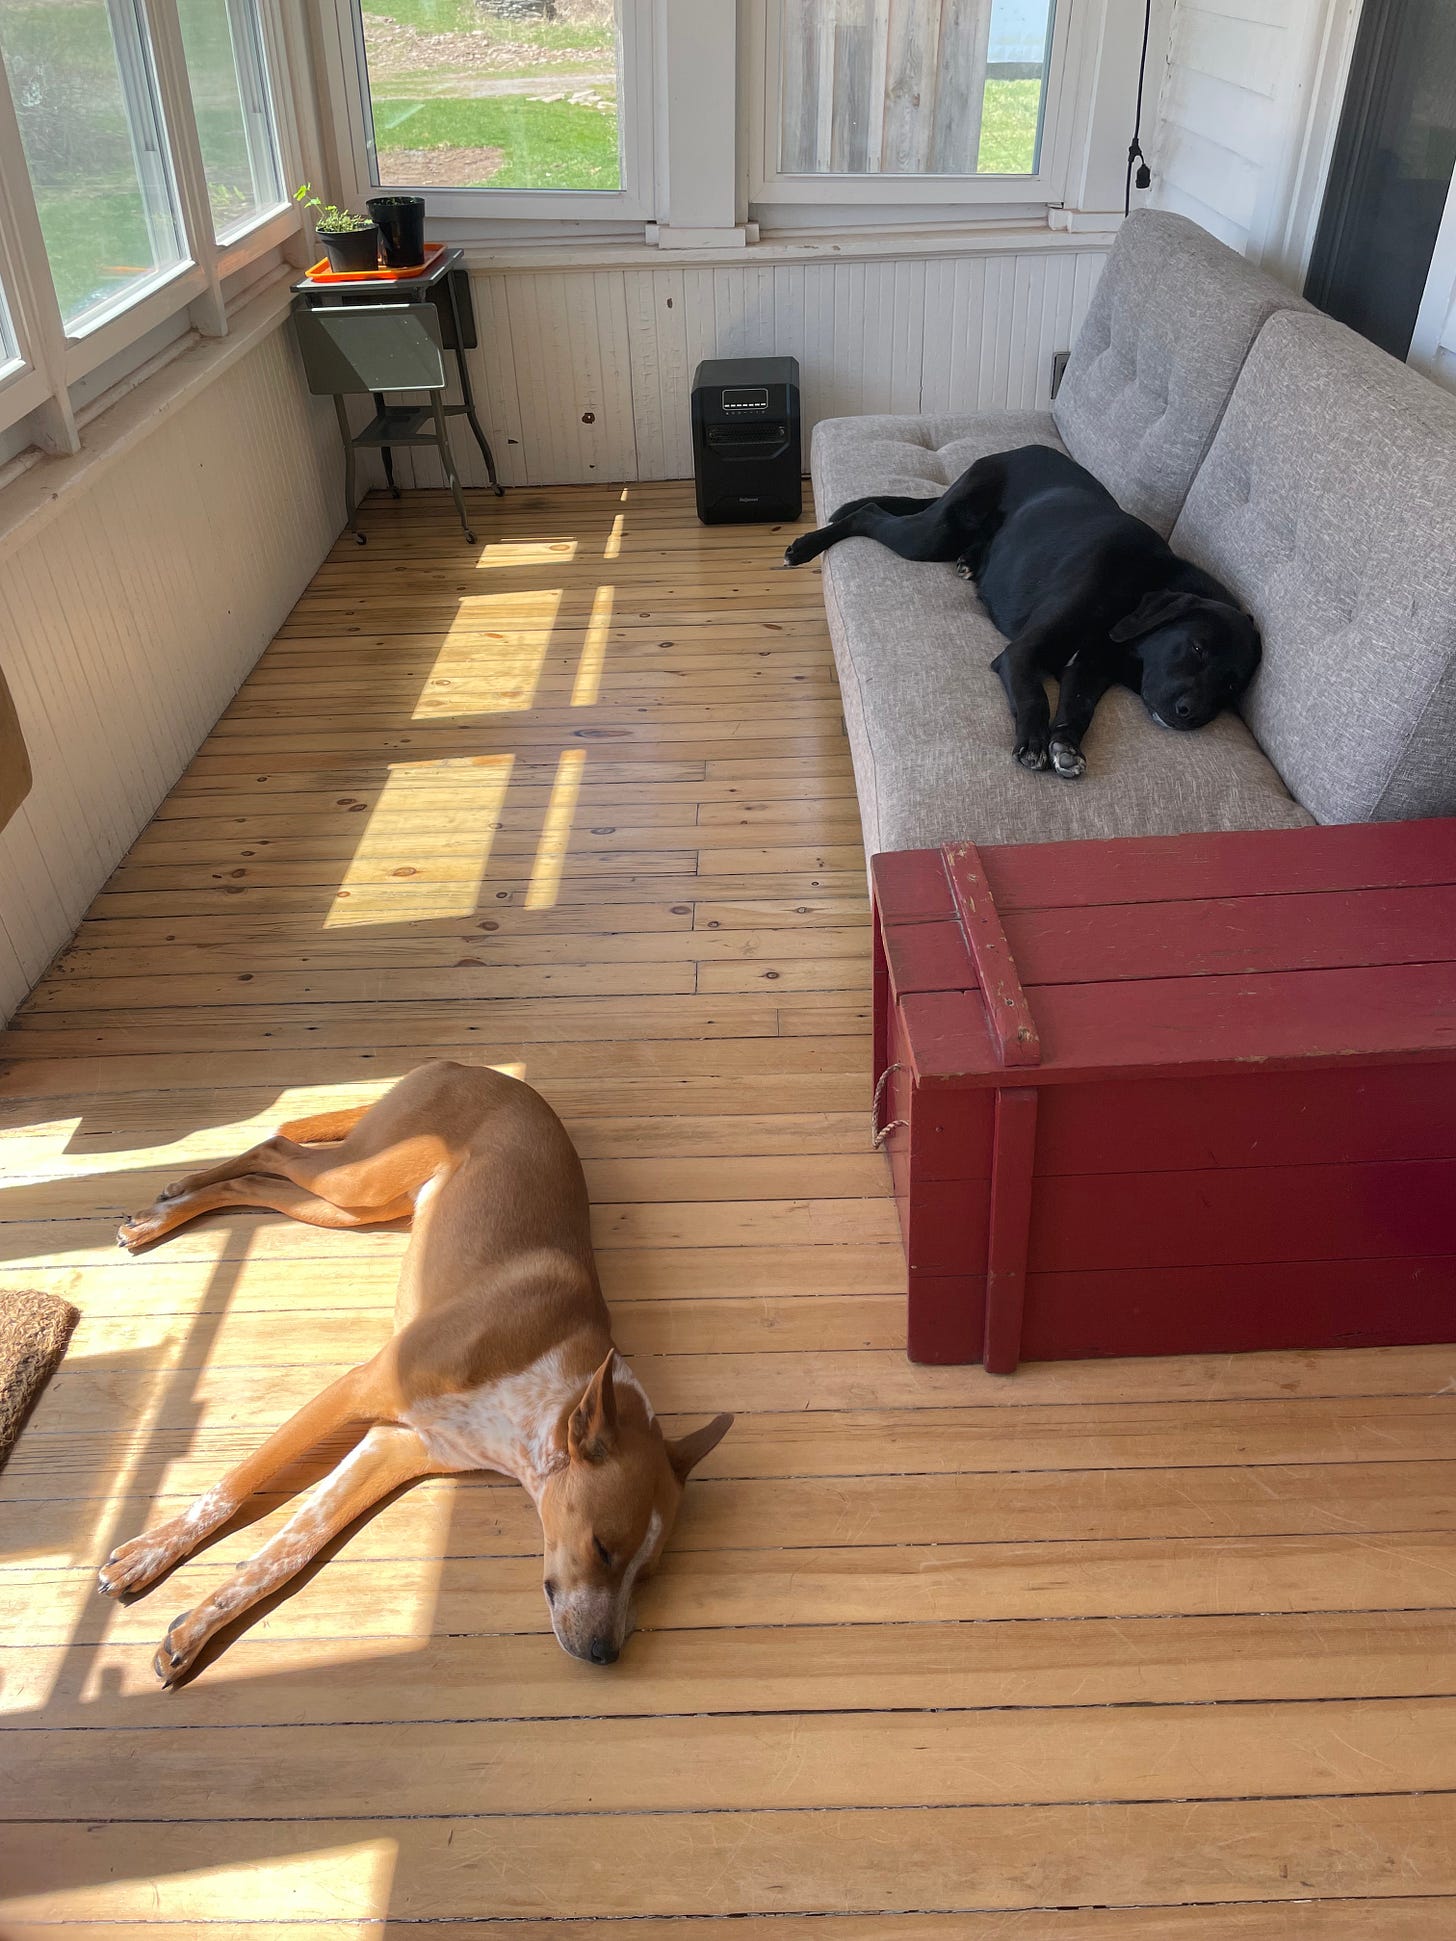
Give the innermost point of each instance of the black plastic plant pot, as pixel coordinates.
(401, 220)
(351, 249)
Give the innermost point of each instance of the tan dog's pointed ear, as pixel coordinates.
(592, 1430)
(688, 1451)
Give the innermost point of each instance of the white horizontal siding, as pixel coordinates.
(1232, 114)
(132, 616)
(586, 374)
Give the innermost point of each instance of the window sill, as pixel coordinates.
(40, 486)
(869, 245)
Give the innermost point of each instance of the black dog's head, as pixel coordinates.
(1198, 655)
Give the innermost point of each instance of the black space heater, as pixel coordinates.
(746, 440)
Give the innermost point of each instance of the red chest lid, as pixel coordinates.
(1168, 954)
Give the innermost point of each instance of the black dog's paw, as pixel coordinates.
(964, 569)
(800, 551)
(1032, 753)
(1068, 759)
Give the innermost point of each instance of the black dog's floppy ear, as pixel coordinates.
(1154, 610)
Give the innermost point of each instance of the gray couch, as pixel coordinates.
(1312, 473)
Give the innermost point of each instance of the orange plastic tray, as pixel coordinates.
(321, 273)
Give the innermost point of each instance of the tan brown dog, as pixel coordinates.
(502, 1355)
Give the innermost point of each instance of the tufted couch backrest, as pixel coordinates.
(1328, 503)
(1165, 338)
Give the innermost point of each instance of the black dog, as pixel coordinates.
(1081, 589)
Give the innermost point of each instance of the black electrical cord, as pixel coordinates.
(1135, 147)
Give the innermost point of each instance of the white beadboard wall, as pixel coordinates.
(585, 374)
(134, 612)
(1232, 115)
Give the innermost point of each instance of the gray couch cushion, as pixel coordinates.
(1169, 327)
(853, 457)
(928, 723)
(1328, 502)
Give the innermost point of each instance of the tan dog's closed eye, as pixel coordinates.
(502, 1356)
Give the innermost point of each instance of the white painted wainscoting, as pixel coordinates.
(585, 373)
(134, 607)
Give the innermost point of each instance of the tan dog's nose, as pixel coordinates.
(603, 1652)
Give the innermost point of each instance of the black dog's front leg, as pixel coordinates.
(1084, 682)
(900, 524)
(1019, 668)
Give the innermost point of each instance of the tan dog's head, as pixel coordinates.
(609, 1509)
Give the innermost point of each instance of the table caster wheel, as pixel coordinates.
(361, 539)
(471, 537)
(500, 491)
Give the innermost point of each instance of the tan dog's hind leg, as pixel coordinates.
(175, 1209)
(386, 1458)
(324, 1128)
(282, 1156)
(371, 1174)
(354, 1397)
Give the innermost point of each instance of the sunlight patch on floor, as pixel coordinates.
(201, 1146)
(491, 656)
(507, 553)
(40, 1143)
(386, 834)
(594, 649)
(349, 1886)
(556, 831)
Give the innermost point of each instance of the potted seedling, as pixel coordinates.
(350, 242)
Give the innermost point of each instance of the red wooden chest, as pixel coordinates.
(1176, 1095)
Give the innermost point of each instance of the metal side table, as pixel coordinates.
(445, 284)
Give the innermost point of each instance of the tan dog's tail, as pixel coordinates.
(324, 1128)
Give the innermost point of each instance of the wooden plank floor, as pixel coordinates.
(1160, 1651)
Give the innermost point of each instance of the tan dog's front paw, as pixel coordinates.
(133, 1566)
(140, 1228)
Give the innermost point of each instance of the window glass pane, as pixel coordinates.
(229, 81)
(912, 87)
(9, 349)
(81, 75)
(500, 94)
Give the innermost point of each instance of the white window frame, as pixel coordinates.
(768, 185)
(53, 358)
(633, 202)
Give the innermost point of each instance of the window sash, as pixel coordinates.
(633, 201)
(118, 108)
(770, 184)
(254, 97)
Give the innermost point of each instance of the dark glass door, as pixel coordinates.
(1390, 171)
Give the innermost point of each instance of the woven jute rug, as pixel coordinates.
(34, 1330)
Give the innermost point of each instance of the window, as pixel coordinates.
(235, 130)
(503, 94)
(891, 103)
(912, 87)
(85, 97)
(499, 108)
